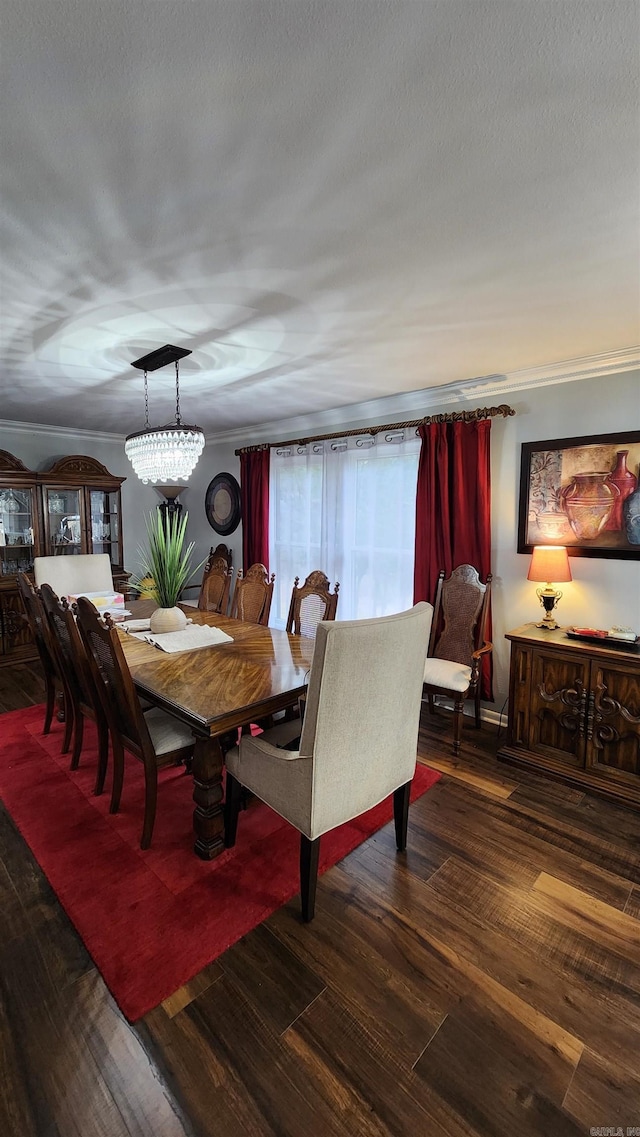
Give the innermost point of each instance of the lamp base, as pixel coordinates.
(548, 597)
(549, 623)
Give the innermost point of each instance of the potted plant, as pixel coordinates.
(168, 563)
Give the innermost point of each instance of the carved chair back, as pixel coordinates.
(222, 550)
(310, 603)
(38, 624)
(80, 687)
(253, 595)
(113, 680)
(55, 684)
(216, 582)
(460, 615)
(157, 740)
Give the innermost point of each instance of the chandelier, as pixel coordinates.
(163, 453)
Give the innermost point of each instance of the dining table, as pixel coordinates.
(214, 690)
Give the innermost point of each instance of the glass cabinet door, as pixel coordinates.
(17, 511)
(104, 507)
(63, 521)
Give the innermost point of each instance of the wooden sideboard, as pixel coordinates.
(73, 507)
(574, 711)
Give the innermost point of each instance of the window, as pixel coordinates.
(346, 507)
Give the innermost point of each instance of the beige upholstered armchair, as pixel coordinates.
(87, 572)
(457, 645)
(359, 736)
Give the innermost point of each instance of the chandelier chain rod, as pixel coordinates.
(178, 419)
(146, 400)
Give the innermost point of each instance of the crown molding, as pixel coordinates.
(411, 404)
(566, 371)
(10, 426)
(408, 404)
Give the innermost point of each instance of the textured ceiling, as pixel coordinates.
(328, 202)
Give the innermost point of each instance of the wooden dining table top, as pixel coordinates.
(214, 689)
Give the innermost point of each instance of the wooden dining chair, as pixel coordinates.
(253, 595)
(53, 678)
(216, 584)
(156, 738)
(83, 693)
(457, 644)
(311, 602)
(220, 550)
(223, 550)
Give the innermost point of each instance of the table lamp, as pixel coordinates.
(549, 563)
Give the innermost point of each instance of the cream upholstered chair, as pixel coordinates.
(359, 736)
(457, 645)
(70, 575)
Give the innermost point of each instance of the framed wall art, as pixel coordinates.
(583, 493)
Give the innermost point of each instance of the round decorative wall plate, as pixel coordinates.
(222, 504)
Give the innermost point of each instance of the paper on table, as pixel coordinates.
(197, 635)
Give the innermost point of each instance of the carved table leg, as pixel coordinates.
(208, 817)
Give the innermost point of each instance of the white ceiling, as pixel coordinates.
(328, 202)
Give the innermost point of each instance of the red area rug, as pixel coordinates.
(151, 920)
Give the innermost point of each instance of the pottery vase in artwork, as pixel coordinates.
(631, 514)
(553, 525)
(626, 482)
(589, 500)
(167, 620)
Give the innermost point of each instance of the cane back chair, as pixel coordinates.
(216, 583)
(457, 644)
(156, 738)
(49, 658)
(83, 693)
(311, 602)
(252, 595)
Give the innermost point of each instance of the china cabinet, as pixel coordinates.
(574, 711)
(74, 507)
(81, 509)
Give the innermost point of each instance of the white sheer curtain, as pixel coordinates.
(346, 507)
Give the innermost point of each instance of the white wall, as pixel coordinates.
(603, 592)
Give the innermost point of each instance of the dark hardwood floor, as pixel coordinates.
(487, 983)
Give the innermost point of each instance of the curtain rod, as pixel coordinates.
(451, 416)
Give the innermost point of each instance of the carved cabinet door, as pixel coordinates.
(613, 721)
(558, 706)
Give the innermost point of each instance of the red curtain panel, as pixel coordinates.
(254, 493)
(453, 509)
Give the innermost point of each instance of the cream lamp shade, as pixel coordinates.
(549, 563)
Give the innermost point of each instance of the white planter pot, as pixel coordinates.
(168, 620)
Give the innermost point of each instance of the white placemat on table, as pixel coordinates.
(194, 636)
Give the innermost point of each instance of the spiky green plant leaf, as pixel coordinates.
(166, 560)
